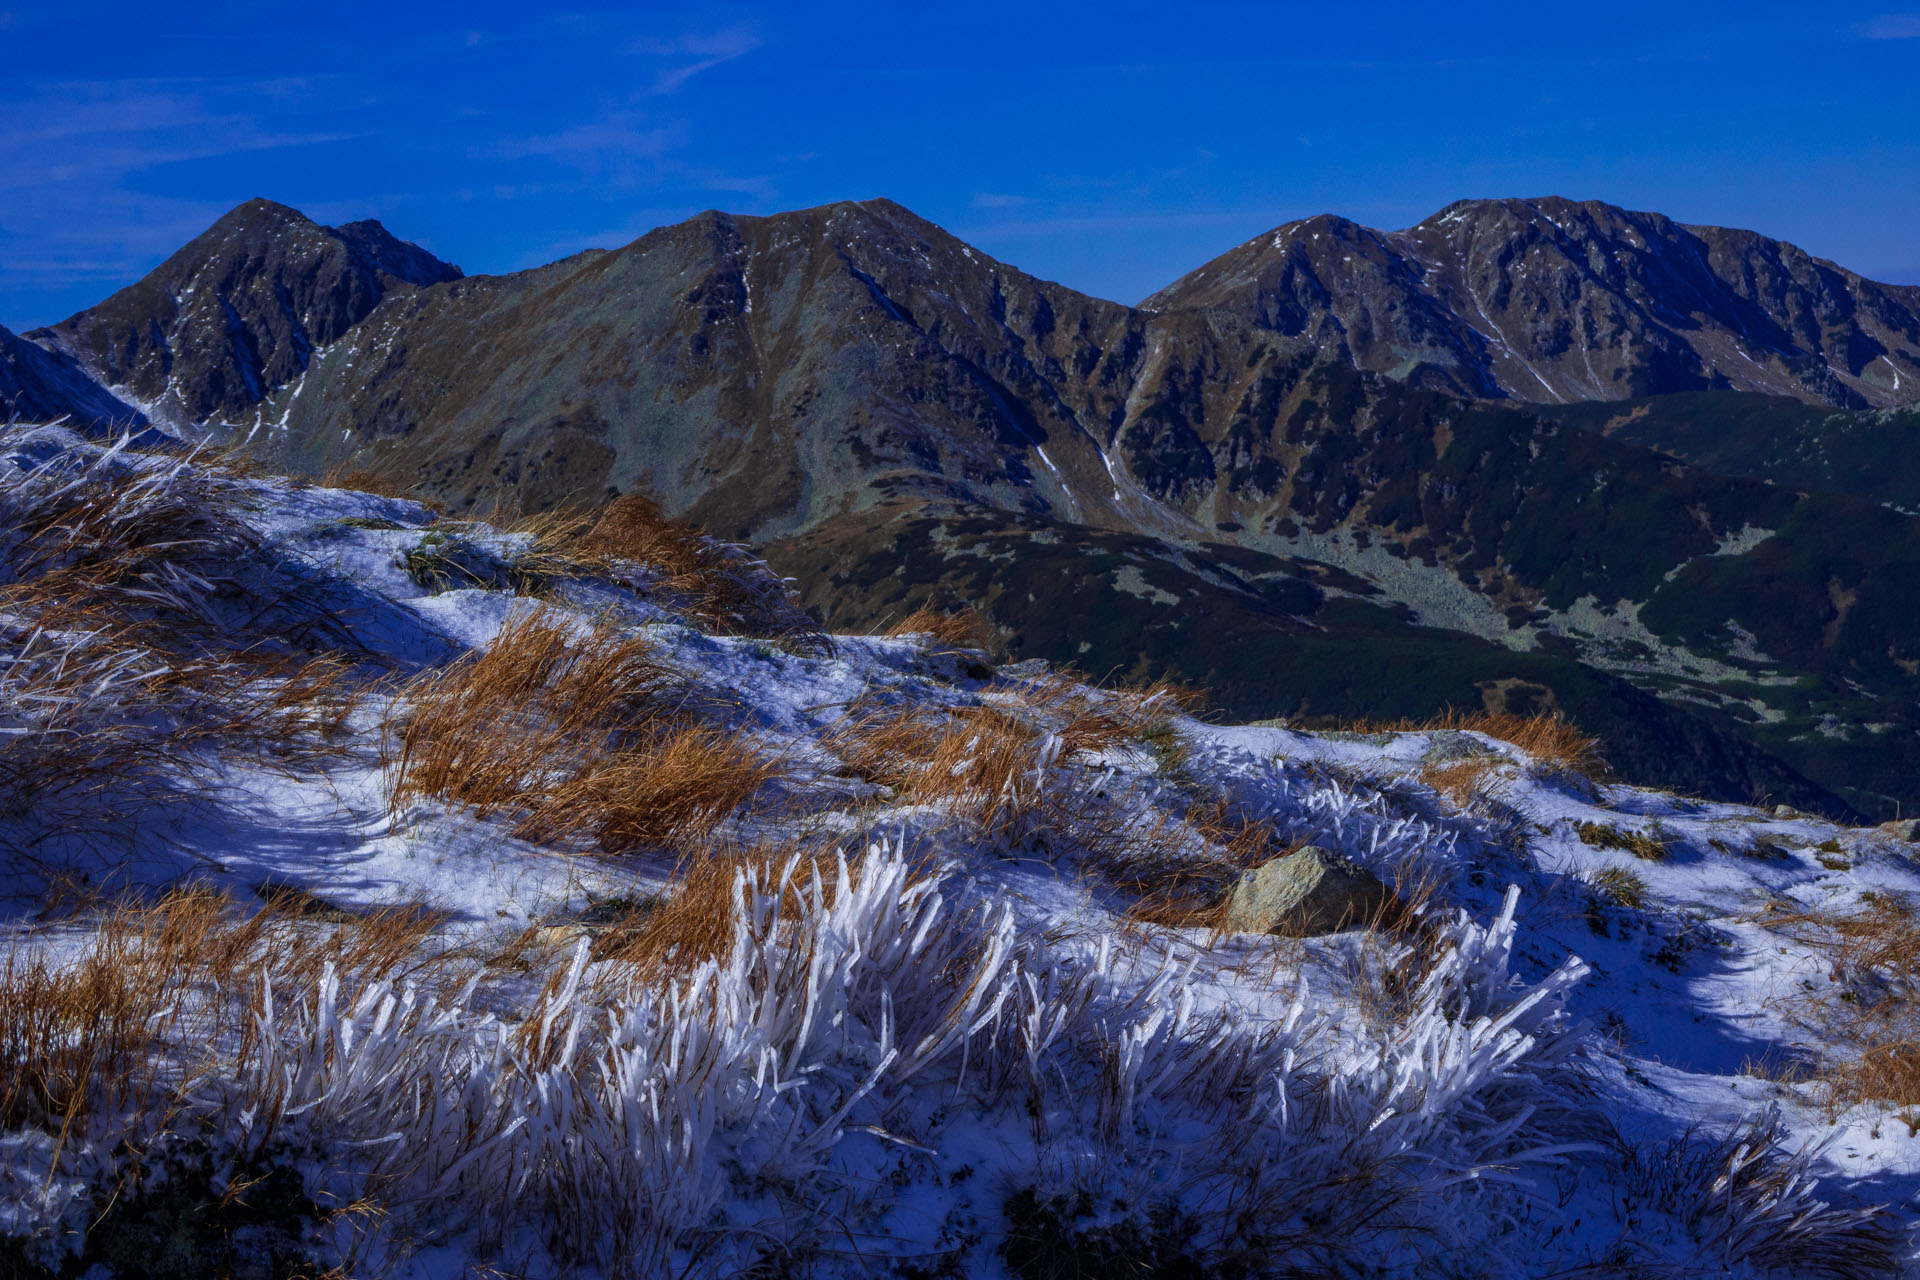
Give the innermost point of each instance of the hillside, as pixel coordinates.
(396, 892)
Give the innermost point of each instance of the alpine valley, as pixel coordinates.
(1525, 455)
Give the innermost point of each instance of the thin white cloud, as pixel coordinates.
(75, 152)
(1891, 26)
(694, 52)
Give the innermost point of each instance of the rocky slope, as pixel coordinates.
(239, 311)
(1555, 301)
(802, 380)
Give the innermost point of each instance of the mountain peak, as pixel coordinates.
(261, 210)
(1552, 299)
(239, 310)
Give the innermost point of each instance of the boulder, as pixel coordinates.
(1307, 892)
(1902, 829)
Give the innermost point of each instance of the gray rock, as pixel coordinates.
(1902, 829)
(1445, 745)
(1307, 892)
(1025, 669)
(1787, 811)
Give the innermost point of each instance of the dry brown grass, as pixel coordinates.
(577, 734)
(104, 728)
(1650, 845)
(719, 583)
(156, 981)
(76, 1039)
(886, 744)
(963, 629)
(995, 767)
(694, 921)
(1088, 721)
(1550, 738)
(143, 631)
(1874, 1019)
(536, 707)
(353, 473)
(555, 549)
(667, 790)
(986, 765)
(1177, 889)
(1467, 783)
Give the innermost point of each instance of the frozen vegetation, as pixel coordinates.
(405, 896)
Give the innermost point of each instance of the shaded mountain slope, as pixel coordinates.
(240, 310)
(1871, 454)
(39, 385)
(756, 374)
(1554, 301)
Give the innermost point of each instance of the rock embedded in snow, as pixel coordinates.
(1307, 892)
(1902, 829)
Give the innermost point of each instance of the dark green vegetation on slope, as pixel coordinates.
(1873, 454)
(862, 393)
(1265, 636)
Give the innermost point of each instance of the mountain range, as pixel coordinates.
(1524, 454)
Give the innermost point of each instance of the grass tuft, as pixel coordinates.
(576, 732)
(1648, 845)
(965, 630)
(1620, 886)
(721, 583)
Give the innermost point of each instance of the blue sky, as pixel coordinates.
(1109, 146)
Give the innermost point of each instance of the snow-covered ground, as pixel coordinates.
(936, 1042)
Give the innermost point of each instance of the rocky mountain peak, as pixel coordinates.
(239, 310)
(1555, 300)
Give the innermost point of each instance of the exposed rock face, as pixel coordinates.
(39, 385)
(755, 375)
(1556, 301)
(1308, 892)
(239, 311)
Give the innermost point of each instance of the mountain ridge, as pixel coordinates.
(775, 377)
(1498, 297)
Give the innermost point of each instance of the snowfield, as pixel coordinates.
(268, 973)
